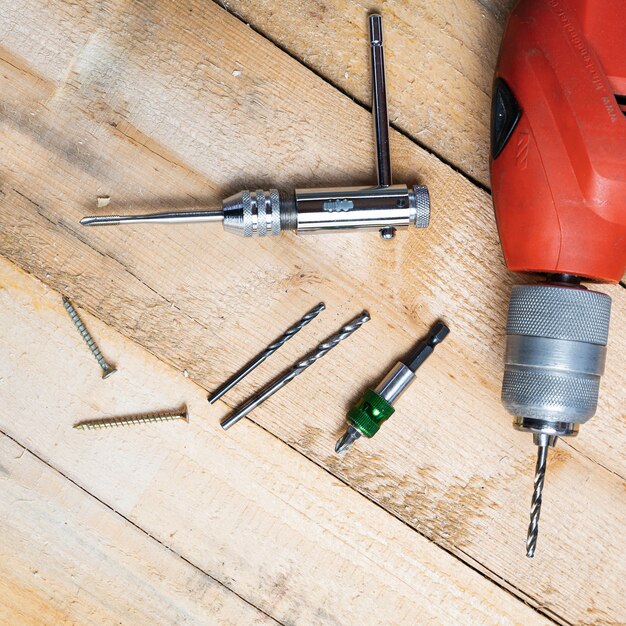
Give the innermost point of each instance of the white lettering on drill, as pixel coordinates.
(590, 63)
(337, 205)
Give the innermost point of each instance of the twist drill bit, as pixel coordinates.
(298, 368)
(257, 360)
(91, 344)
(133, 420)
(543, 442)
(376, 406)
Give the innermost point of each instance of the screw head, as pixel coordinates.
(108, 372)
(388, 232)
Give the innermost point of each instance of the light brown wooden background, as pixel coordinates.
(165, 105)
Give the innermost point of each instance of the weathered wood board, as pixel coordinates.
(440, 60)
(165, 107)
(174, 523)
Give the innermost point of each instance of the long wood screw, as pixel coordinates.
(131, 420)
(91, 344)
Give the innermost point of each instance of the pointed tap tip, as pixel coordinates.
(100, 220)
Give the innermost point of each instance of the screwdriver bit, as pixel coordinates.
(376, 405)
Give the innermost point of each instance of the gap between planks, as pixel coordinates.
(459, 555)
(344, 92)
(127, 520)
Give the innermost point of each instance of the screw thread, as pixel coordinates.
(132, 420)
(86, 335)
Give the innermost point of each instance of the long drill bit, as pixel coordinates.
(298, 368)
(543, 442)
(259, 358)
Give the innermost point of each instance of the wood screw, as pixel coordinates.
(133, 420)
(91, 344)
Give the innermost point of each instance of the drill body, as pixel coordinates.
(558, 174)
(558, 167)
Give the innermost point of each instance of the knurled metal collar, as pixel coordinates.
(422, 206)
(261, 213)
(246, 205)
(275, 207)
(571, 313)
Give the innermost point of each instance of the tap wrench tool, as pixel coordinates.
(384, 207)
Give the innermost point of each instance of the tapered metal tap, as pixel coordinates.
(384, 207)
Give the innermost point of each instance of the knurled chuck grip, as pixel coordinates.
(556, 339)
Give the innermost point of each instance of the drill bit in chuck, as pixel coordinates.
(543, 443)
(298, 368)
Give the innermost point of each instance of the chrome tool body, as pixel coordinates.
(384, 207)
(321, 350)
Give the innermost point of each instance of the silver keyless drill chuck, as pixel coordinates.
(385, 207)
(555, 353)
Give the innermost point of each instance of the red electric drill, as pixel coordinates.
(558, 174)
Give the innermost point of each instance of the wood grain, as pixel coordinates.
(68, 558)
(277, 530)
(440, 62)
(98, 104)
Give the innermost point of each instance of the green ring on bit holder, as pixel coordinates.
(369, 413)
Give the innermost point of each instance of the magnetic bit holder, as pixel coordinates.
(385, 207)
(376, 405)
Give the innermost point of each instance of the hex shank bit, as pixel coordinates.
(298, 368)
(259, 358)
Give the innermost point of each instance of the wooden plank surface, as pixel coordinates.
(445, 49)
(281, 533)
(66, 557)
(97, 103)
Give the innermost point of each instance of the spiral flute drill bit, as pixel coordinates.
(132, 420)
(543, 443)
(257, 360)
(298, 368)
